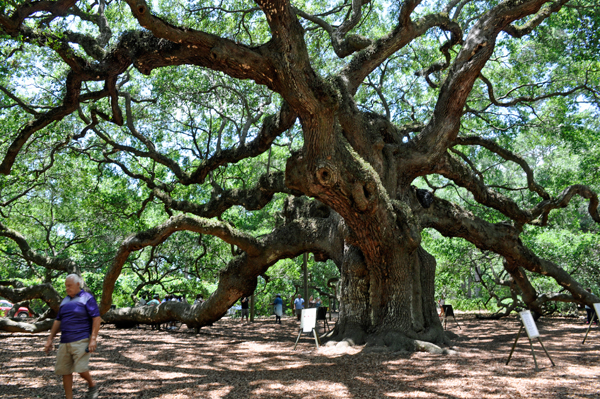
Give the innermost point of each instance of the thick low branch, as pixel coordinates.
(159, 234)
(24, 327)
(238, 279)
(45, 292)
(553, 297)
(452, 221)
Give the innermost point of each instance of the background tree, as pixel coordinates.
(343, 129)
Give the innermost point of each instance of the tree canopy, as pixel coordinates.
(202, 146)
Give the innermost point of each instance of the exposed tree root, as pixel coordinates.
(392, 341)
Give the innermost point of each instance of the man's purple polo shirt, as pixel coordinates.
(75, 316)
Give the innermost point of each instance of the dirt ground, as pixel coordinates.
(257, 360)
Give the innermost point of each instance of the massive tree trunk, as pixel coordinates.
(391, 303)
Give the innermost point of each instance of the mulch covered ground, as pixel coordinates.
(257, 360)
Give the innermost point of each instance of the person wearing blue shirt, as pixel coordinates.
(154, 301)
(278, 308)
(78, 320)
(298, 306)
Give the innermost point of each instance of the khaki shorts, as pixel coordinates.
(72, 358)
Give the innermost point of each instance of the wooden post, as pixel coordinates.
(317, 339)
(594, 317)
(297, 339)
(589, 328)
(515, 344)
(252, 308)
(547, 354)
(533, 353)
(305, 271)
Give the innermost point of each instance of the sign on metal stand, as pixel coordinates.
(528, 323)
(308, 322)
(594, 317)
(449, 311)
(322, 315)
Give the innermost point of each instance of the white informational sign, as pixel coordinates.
(529, 323)
(308, 320)
(597, 307)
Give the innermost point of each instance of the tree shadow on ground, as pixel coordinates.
(256, 360)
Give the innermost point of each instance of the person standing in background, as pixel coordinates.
(245, 311)
(298, 306)
(155, 301)
(278, 308)
(441, 304)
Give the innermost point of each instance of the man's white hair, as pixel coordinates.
(76, 278)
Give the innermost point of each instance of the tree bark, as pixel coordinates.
(389, 305)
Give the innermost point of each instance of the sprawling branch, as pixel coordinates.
(509, 156)
(208, 50)
(24, 327)
(342, 43)
(239, 278)
(561, 201)
(70, 103)
(456, 171)
(24, 106)
(159, 234)
(18, 294)
(13, 23)
(453, 169)
(527, 28)
(272, 127)
(453, 221)
(54, 263)
(251, 199)
(363, 63)
(479, 45)
(146, 52)
(45, 292)
(527, 99)
(94, 47)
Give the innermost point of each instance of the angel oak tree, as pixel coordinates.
(366, 142)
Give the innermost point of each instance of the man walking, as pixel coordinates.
(298, 306)
(78, 320)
